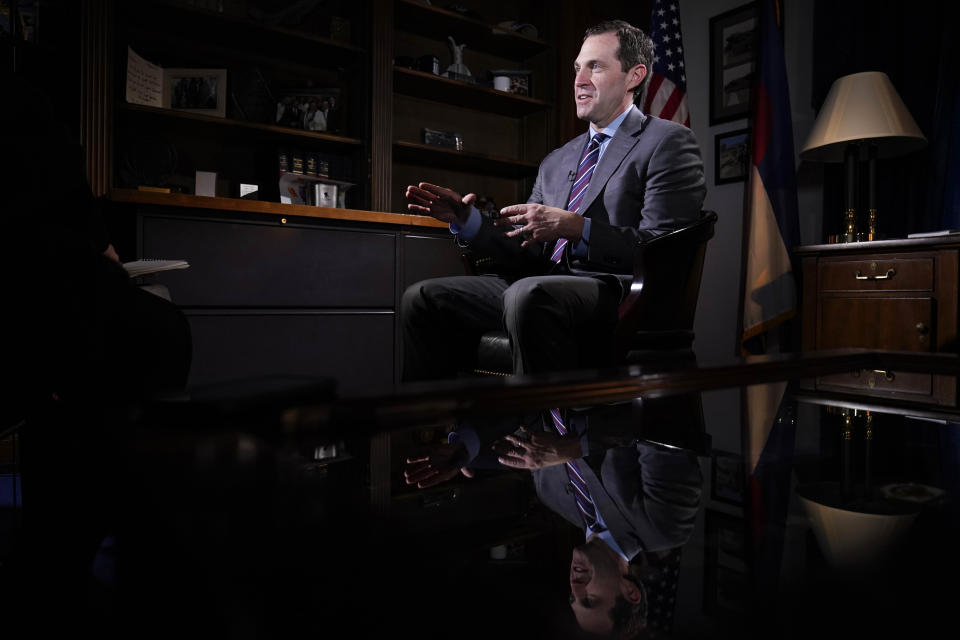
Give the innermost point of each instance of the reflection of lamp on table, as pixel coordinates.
(863, 116)
(855, 535)
(858, 525)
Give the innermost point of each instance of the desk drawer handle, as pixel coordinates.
(890, 274)
(889, 375)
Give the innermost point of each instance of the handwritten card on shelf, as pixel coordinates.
(144, 81)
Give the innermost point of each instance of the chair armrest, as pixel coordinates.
(629, 309)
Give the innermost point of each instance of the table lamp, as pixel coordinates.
(862, 117)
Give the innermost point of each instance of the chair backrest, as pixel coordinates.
(666, 284)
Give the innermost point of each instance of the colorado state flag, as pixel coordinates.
(770, 290)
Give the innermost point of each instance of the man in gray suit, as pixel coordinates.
(565, 256)
(563, 265)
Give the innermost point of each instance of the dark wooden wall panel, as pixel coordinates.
(96, 91)
(381, 107)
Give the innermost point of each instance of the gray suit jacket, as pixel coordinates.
(648, 495)
(649, 181)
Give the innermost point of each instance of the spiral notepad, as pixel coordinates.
(144, 267)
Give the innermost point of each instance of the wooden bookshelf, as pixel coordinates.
(443, 157)
(464, 94)
(430, 21)
(243, 124)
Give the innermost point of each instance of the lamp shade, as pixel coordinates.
(862, 107)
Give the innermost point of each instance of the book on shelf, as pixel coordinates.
(145, 267)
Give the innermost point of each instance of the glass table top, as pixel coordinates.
(705, 500)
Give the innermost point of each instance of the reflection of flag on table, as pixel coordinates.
(666, 93)
(770, 290)
(771, 433)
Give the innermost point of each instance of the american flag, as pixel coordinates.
(666, 92)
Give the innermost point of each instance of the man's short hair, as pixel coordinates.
(635, 47)
(629, 620)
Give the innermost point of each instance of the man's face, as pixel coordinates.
(602, 90)
(596, 579)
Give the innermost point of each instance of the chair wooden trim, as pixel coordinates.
(659, 310)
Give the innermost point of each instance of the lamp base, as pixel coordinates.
(850, 229)
(871, 226)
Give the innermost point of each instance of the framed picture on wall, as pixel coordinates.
(733, 51)
(726, 478)
(725, 569)
(731, 155)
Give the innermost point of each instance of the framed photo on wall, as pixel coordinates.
(733, 51)
(731, 156)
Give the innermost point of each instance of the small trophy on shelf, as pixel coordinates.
(458, 70)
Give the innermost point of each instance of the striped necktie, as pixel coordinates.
(580, 491)
(584, 171)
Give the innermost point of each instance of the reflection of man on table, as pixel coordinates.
(630, 178)
(634, 500)
(631, 498)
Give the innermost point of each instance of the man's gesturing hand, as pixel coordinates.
(443, 204)
(440, 465)
(538, 451)
(540, 223)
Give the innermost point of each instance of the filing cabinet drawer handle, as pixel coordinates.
(890, 274)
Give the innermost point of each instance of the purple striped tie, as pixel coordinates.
(584, 171)
(580, 491)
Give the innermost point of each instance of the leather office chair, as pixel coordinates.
(657, 315)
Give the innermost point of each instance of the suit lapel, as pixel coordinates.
(570, 159)
(614, 519)
(620, 145)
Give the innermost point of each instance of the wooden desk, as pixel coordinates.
(277, 289)
(891, 294)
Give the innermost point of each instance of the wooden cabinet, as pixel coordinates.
(898, 295)
(278, 295)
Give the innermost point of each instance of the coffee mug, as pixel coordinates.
(501, 83)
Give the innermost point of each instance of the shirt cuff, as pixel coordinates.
(583, 245)
(469, 438)
(470, 228)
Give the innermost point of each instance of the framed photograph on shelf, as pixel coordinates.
(733, 51)
(726, 478)
(196, 90)
(731, 156)
(725, 569)
(310, 110)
